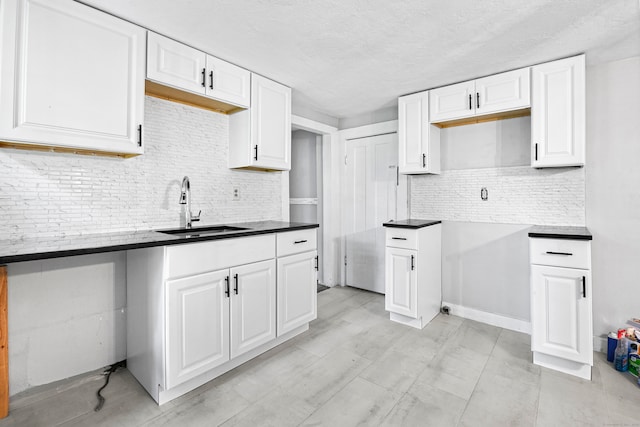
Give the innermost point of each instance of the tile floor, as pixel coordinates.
(355, 367)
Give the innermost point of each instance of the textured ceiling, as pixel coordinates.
(345, 58)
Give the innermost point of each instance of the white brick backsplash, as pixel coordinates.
(48, 194)
(517, 195)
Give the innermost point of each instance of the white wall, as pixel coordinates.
(485, 253)
(613, 190)
(66, 316)
(52, 193)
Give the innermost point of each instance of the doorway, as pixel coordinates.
(374, 194)
(305, 183)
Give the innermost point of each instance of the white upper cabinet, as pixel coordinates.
(503, 92)
(183, 67)
(452, 102)
(418, 141)
(493, 94)
(260, 137)
(558, 113)
(71, 77)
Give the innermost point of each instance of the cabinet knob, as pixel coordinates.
(584, 287)
(235, 288)
(226, 288)
(204, 73)
(211, 80)
(412, 263)
(424, 160)
(477, 99)
(470, 102)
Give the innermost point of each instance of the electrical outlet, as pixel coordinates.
(236, 194)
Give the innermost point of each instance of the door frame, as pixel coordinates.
(331, 204)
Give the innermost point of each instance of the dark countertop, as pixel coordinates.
(560, 232)
(411, 223)
(61, 246)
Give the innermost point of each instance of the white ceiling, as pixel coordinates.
(345, 58)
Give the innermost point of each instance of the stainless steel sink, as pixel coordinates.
(202, 231)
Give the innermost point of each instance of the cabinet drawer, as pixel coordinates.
(194, 258)
(560, 252)
(401, 238)
(293, 242)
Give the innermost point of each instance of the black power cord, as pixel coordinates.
(107, 373)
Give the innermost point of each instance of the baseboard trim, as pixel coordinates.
(489, 318)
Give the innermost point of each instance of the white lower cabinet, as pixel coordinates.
(253, 306)
(402, 282)
(297, 290)
(561, 306)
(198, 310)
(413, 274)
(197, 325)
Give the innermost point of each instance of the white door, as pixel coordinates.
(228, 82)
(197, 325)
(503, 92)
(452, 102)
(175, 64)
(413, 132)
(558, 113)
(253, 306)
(401, 282)
(71, 76)
(372, 197)
(270, 124)
(297, 290)
(561, 312)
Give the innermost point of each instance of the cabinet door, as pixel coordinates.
(253, 306)
(503, 92)
(401, 281)
(413, 132)
(558, 113)
(270, 124)
(71, 77)
(297, 290)
(175, 64)
(228, 82)
(561, 313)
(197, 325)
(452, 102)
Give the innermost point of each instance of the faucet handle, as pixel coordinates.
(196, 217)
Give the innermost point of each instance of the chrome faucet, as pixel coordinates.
(185, 199)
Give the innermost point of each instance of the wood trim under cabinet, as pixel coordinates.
(485, 118)
(168, 93)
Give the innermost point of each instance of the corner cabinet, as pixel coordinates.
(183, 67)
(418, 141)
(561, 305)
(493, 94)
(260, 137)
(558, 113)
(71, 78)
(413, 274)
(198, 310)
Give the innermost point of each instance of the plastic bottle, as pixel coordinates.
(621, 359)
